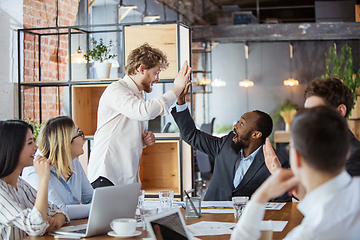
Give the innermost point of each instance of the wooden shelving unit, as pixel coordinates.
(168, 163)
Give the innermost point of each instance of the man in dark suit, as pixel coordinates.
(239, 161)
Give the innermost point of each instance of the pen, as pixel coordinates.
(192, 204)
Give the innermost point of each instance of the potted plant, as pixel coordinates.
(100, 53)
(287, 111)
(342, 68)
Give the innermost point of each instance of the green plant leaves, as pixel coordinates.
(100, 52)
(342, 68)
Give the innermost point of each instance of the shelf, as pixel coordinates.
(85, 103)
(160, 165)
(172, 39)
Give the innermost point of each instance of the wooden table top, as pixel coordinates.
(288, 213)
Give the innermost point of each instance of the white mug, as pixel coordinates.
(123, 226)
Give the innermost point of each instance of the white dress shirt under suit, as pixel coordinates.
(73, 196)
(118, 139)
(18, 216)
(331, 211)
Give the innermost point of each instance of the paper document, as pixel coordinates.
(205, 228)
(274, 206)
(278, 226)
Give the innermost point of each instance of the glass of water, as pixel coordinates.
(239, 205)
(166, 199)
(146, 212)
(141, 199)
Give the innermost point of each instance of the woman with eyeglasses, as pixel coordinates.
(61, 141)
(24, 211)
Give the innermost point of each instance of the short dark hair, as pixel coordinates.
(264, 124)
(321, 136)
(332, 91)
(146, 55)
(12, 141)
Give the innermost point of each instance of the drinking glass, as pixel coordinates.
(239, 204)
(166, 199)
(146, 212)
(141, 199)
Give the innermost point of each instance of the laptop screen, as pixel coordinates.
(169, 227)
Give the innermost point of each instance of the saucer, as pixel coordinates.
(113, 234)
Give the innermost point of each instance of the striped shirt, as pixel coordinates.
(18, 216)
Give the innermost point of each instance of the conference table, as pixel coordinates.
(287, 213)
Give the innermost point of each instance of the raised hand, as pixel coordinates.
(271, 160)
(182, 78)
(181, 99)
(42, 167)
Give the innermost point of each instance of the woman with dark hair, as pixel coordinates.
(61, 141)
(23, 210)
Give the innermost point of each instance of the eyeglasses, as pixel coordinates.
(80, 134)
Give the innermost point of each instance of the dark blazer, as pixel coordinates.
(221, 186)
(353, 163)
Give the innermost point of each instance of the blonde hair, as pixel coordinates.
(147, 56)
(54, 142)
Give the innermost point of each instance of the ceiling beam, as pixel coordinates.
(278, 32)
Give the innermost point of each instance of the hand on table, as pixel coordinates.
(271, 160)
(148, 138)
(55, 222)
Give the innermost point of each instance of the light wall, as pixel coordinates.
(11, 18)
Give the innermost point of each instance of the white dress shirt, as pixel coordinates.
(331, 211)
(118, 139)
(18, 216)
(73, 196)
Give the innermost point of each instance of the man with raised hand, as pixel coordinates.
(122, 112)
(318, 152)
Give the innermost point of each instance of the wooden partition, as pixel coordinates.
(160, 165)
(172, 39)
(84, 106)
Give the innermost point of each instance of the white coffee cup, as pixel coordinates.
(123, 226)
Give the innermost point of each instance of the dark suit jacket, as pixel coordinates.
(353, 163)
(221, 186)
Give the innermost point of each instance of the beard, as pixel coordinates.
(242, 142)
(146, 83)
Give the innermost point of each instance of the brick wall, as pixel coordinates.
(54, 49)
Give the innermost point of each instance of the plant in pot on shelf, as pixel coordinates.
(100, 54)
(287, 111)
(342, 68)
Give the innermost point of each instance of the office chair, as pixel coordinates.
(204, 162)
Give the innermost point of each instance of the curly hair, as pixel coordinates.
(147, 56)
(332, 91)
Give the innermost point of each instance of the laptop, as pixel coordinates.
(168, 225)
(108, 203)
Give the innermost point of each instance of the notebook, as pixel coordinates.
(108, 203)
(169, 224)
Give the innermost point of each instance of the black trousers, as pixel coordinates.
(101, 182)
